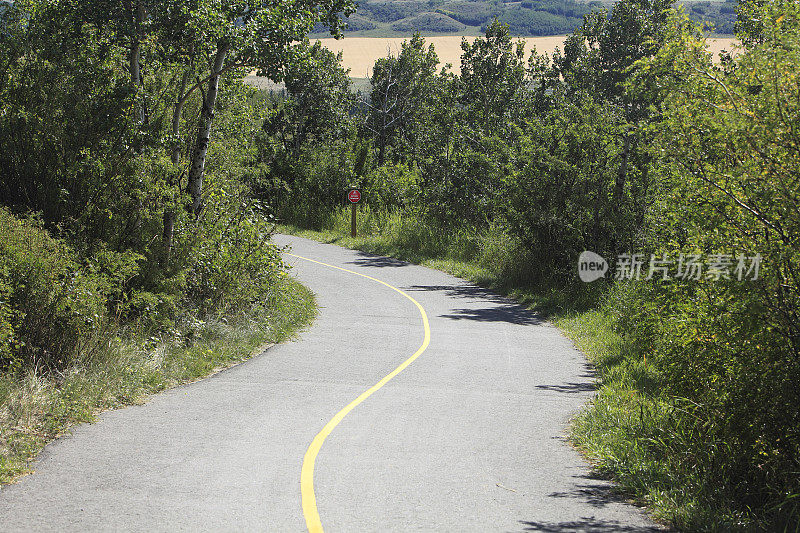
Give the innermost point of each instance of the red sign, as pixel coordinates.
(354, 196)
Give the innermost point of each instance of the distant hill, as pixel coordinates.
(397, 18)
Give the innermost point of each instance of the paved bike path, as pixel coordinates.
(468, 437)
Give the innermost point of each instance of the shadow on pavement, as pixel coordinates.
(371, 260)
(587, 525)
(573, 387)
(500, 310)
(569, 388)
(463, 291)
(514, 314)
(597, 492)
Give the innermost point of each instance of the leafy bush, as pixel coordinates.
(724, 348)
(234, 265)
(52, 306)
(391, 186)
(316, 183)
(565, 191)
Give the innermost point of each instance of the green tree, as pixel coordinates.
(730, 343)
(318, 103)
(492, 76)
(598, 60)
(563, 190)
(246, 33)
(403, 88)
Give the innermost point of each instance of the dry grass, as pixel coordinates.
(360, 53)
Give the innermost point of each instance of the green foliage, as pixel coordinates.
(404, 109)
(565, 190)
(234, 265)
(392, 186)
(53, 308)
(615, 41)
(318, 102)
(727, 346)
(317, 182)
(492, 76)
(66, 145)
(97, 153)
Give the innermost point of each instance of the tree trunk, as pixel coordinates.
(382, 135)
(136, 81)
(381, 148)
(176, 119)
(619, 186)
(169, 212)
(135, 62)
(198, 163)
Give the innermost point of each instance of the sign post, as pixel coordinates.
(353, 196)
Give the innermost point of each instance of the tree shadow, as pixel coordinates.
(598, 492)
(465, 290)
(570, 388)
(597, 495)
(575, 387)
(513, 314)
(587, 525)
(501, 310)
(380, 261)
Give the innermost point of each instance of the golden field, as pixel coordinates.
(360, 53)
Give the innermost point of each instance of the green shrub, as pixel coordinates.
(52, 306)
(317, 182)
(725, 351)
(391, 186)
(234, 265)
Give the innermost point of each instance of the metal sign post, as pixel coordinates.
(353, 196)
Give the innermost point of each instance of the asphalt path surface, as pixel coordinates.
(470, 436)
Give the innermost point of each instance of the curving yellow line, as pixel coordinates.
(309, 499)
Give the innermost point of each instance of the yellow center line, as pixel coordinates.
(309, 499)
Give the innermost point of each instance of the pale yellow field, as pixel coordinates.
(360, 53)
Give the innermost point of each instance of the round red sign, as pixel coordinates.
(354, 196)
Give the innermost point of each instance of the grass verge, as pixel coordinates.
(35, 409)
